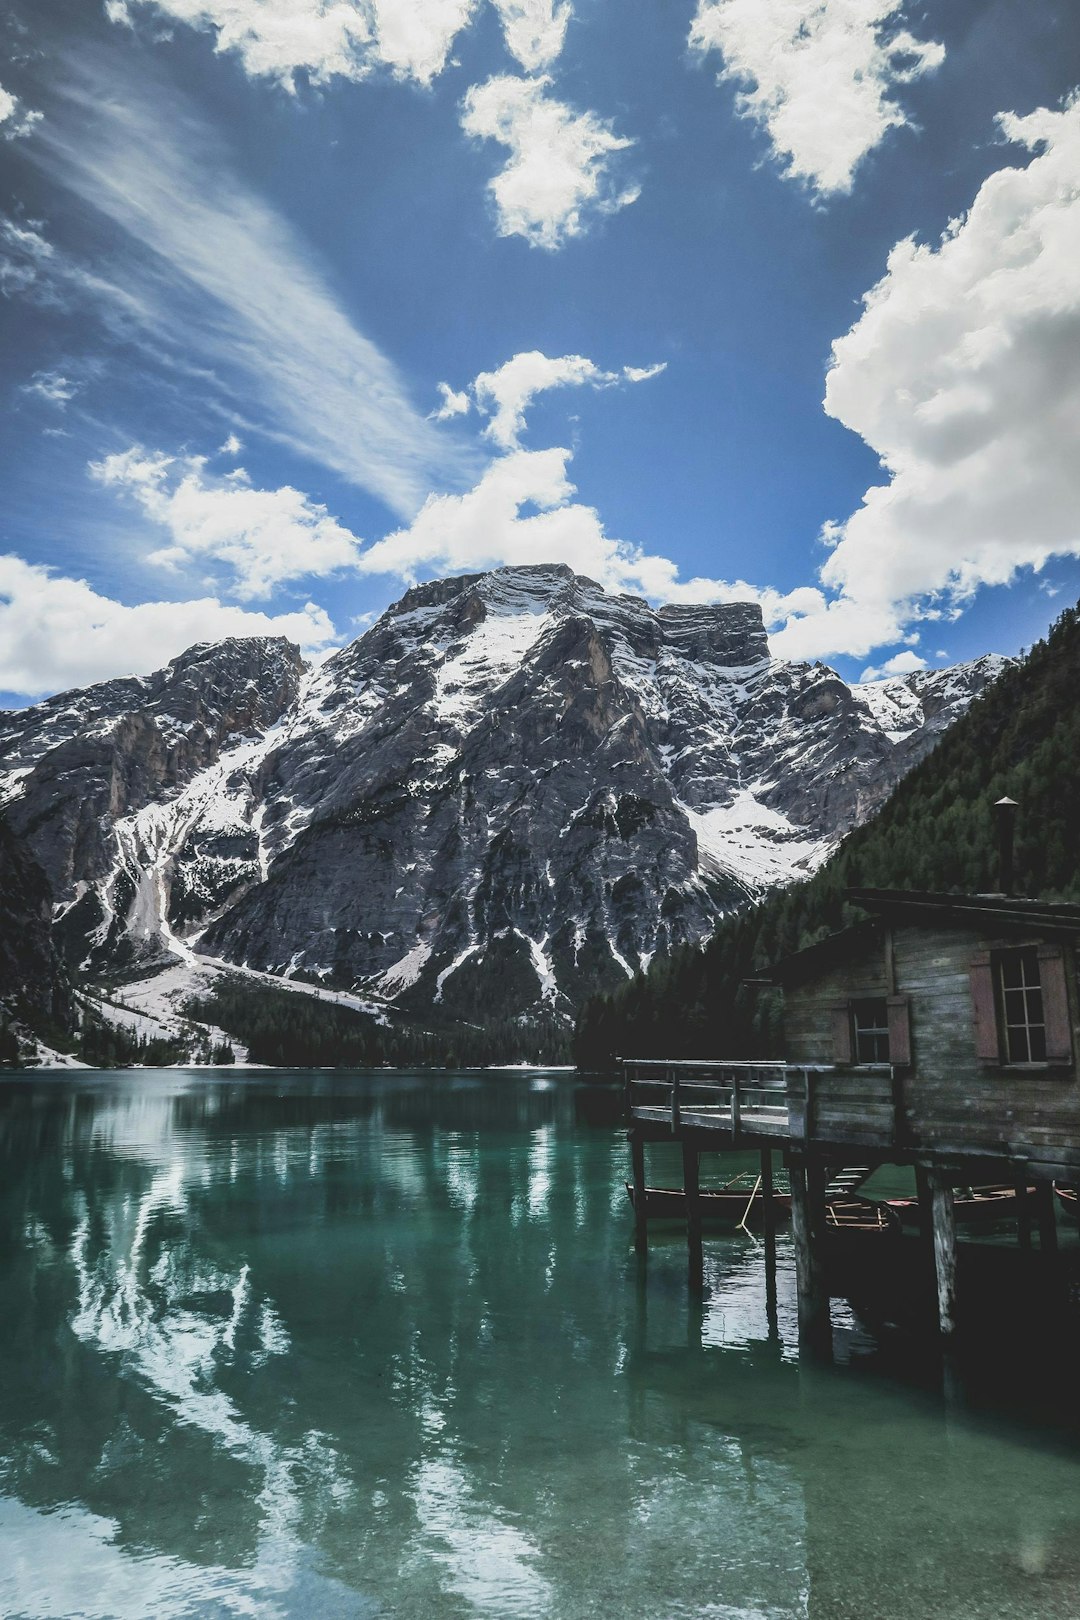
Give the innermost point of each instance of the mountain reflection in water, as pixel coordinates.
(339, 1344)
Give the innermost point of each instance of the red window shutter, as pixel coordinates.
(983, 1010)
(1055, 998)
(899, 1030)
(841, 1033)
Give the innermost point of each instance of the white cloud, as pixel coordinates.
(903, 663)
(453, 404)
(231, 447)
(220, 281)
(559, 170)
(535, 30)
(486, 529)
(328, 39)
(325, 39)
(265, 537)
(818, 74)
(15, 119)
(51, 386)
(57, 632)
(506, 393)
(961, 373)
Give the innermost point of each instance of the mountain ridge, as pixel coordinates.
(513, 788)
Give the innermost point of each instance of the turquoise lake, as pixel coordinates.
(341, 1344)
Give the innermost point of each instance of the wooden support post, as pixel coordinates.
(807, 1221)
(1023, 1214)
(926, 1207)
(768, 1206)
(944, 1252)
(692, 1192)
(1046, 1216)
(641, 1216)
(768, 1216)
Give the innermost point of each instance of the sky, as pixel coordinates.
(304, 301)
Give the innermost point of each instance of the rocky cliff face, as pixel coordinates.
(513, 789)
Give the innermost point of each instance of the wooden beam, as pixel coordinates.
(641, 1216)
(692, 1192)
(944, 1219)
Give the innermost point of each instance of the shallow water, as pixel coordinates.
(378, 1345)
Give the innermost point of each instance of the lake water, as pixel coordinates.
(378, 1345)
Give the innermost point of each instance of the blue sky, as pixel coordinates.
(306, 299)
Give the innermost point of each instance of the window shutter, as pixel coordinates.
(841, 1032)
(899, 1030)
(983, 1010)
(1055, 998)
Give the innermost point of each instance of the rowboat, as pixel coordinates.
(972, 1206)
(1067, 1193)
(737, 1200)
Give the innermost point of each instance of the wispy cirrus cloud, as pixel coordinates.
(560, 174)
(57, 631)
(52, 387)
(820, 75)
(206, 266)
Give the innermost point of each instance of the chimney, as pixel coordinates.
(1005, 816)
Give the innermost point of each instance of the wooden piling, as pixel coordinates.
(641, 1216)
(1046, 1216)
(944, 1218)
(768, 1207)
(807, 1226)
(692, 1192)
(1023, 1214)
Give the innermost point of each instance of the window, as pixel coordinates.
(1021, 1000)
(870, 1027)
(1021, 1006)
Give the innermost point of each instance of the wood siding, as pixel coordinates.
(948, 1098)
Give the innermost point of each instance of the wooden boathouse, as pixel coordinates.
(942, 1033)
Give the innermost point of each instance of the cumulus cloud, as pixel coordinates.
(489, 527)
(453, 404)
(506, 393)
(349, 39)
(58, 632)
(325, 39)
(221, 282)
(961, 374)
(559, 173)
(903, 663)
(535, 30)
(15, 119)
(264, 537)
(818, 74)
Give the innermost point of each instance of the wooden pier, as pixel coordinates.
(942, 1035)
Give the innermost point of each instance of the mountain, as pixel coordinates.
(1020, 737)
(512, 789)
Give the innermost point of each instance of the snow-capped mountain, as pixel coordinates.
(512, 790)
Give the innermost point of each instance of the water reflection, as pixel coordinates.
(378, 1345)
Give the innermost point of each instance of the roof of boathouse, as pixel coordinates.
(1004, 913)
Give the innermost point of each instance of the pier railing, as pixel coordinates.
(751, 1101)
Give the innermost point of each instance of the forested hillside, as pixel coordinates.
(1021, 738)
